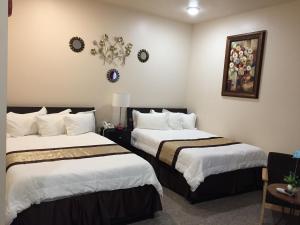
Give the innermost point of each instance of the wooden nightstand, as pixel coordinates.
(121, 137)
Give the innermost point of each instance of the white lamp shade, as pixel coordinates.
(121, 100)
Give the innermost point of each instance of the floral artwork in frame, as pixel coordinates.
(243, 62)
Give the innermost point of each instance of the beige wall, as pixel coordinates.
(44, 71)
(271, 122)
(3, 70)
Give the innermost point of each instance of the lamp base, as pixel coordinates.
(120, 127)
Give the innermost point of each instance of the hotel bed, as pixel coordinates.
(199, 172)
(83, 179)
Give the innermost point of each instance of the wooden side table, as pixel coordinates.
(293, 202)
(121, 137)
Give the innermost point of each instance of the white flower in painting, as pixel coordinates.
(231, 65)
(231, 58)
(241, 53)
(235, 55)
(249, 68)
(236, 69)
(250, 57)
(231, 52)
(238, 48)
(244, 60)
(250, 51)
(241, 71)
(237, 61)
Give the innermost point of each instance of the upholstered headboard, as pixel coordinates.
(147, 110)
(28, 109)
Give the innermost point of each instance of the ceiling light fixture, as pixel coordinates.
(193, 10)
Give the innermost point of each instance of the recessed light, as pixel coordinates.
(193, 10)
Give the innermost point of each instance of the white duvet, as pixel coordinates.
(196, 164)
(29, 184)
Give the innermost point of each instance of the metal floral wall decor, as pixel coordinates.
(113, 51)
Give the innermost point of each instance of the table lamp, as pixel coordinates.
(120, 100)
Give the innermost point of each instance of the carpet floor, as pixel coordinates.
(241, 209)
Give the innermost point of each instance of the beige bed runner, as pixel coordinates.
(56, 154)
(169, 150)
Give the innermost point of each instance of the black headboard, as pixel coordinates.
(147, 110)
(27, 109)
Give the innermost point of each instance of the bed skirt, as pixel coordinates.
(102, 208)
(213, 187)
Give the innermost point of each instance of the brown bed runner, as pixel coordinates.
(169, 150)
(57, 154)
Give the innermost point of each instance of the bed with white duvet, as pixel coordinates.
(29, 184)
(196, 164)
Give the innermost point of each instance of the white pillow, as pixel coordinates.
(80, 123)
(23, 124)
(174, 119)
(52, 124)
(188, 121)
(154, 121)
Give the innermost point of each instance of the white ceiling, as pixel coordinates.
(211, 9)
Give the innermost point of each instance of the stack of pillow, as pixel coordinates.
(50, 124)
(165, 120)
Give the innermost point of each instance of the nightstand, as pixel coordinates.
(121, 137)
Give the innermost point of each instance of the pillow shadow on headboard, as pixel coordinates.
(147, 110)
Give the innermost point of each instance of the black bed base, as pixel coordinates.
(214, 186)
(101, 208)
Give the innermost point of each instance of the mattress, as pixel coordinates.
(28, 184)
(196, 164)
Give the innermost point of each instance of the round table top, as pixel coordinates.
(293, 200)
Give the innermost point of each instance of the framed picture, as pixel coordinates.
(243, 62)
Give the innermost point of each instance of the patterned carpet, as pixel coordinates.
(242, 209)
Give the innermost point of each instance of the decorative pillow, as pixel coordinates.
(134, 116)
(188, 121)
(174, 119)
(23, 124)
(80, 123)
(52, 124)
(154, 121)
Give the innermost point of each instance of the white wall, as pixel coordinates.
(3, 71)
(44, 71)
(271, 122)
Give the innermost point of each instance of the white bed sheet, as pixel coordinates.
(196, 164)
(28, 184)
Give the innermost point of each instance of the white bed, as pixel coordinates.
(28, 184)
(196, 164)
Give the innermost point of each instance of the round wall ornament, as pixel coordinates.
(143, 55)
(113, 75)
(76, 44)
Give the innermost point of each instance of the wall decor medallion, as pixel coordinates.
(243, 63)
(143, 55)
(113, 75)
(113, 51)
(76, 44)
